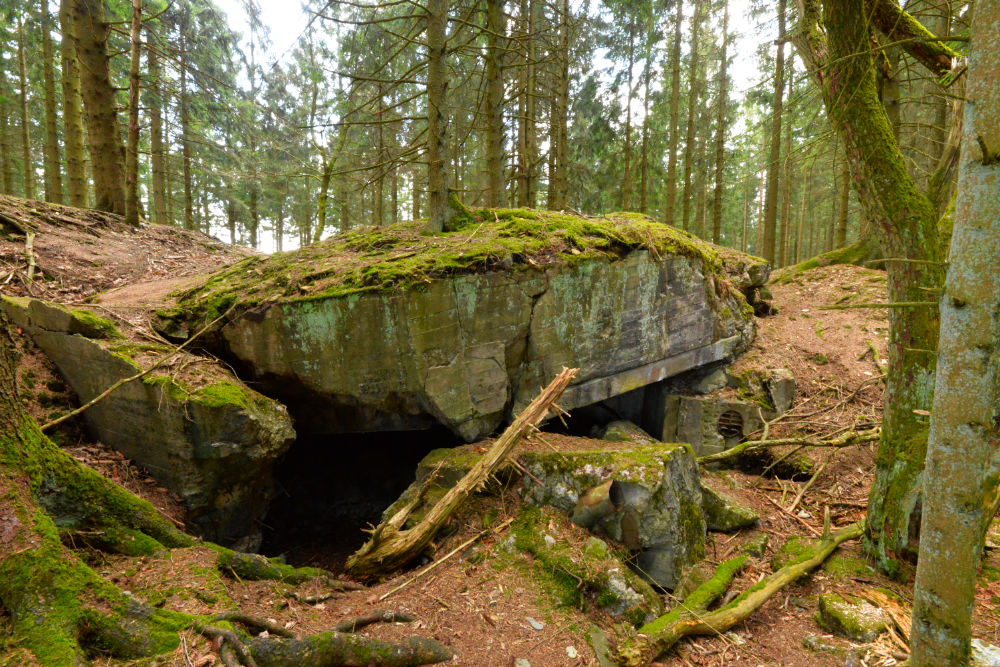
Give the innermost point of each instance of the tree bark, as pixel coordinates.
(781, 258)
(438, 211)
(694, 88)
(627, 149)
(73, 135)
(132, 151)
(29, 167)
(184, 113)
(154, 101)
(963, 457)
(845, 202)
(560, 114)
(774, 153)
(106, 149)
(675, 100)
(836, 50)
(721, 113)
(494, 103)
(53, 174)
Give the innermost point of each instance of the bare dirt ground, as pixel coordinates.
(490, 614)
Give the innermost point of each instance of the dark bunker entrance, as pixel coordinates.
(329, 488)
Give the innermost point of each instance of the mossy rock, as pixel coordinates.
(647, 498)
(851, 617)
(572, 571)
(626, 431)
(843, 566)
(206, 436)
(723, 513)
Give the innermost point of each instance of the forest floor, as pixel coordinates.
(494, 615)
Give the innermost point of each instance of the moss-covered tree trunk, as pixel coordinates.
(963, 457)
(774, 152)
(834, 42)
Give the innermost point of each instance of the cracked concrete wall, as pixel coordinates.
(467, 351)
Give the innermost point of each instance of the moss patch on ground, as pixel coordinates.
(399, 257)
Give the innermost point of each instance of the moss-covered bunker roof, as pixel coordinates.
(399, 256)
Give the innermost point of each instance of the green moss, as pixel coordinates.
(850, 617)
(106, 327)
(578, 574)
(841, 566)
(398, 257)
(793, 550)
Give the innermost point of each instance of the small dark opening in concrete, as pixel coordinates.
(587, 421)
(331, 487)
(730, 424)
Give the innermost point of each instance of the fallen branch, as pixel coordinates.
(390, 547)
(448, 555)
(29, 256)
(752, 446)
(662, 634)
(141, 374)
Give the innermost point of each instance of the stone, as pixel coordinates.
(626, 431)
(756, 547)
(521, 662)
(850, 617)
(573, 571)
(723, 513)
(820, 645)
(470, 349)
(693, 577)
(647, 498)
(780, 388)
(213, 445)
(985, 655)
(713, 381)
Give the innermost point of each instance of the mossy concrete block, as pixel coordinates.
(723, 513)
(850, 617)
(756, 547)
(214, 446)
(647, 498)
(626, 431)
(466, 343)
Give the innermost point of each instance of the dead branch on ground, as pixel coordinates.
(753, 446)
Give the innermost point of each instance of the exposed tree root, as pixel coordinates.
(661, 635)
(390, 547)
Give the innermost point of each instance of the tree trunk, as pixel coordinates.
(845, 202)
(774, 154)
(437, 118)
(963, 461)
(694, 88)
(494, 103)
(839, 57)
(29, 167)
(53, 174)
(675, 100)
(781, 258)
(6, 168)
(183, 103)
(527, 145)
(132, 153)
(560, 114)
(106, 150)
(154, 101)
(73, 135)
(627, 174)
(721, 110)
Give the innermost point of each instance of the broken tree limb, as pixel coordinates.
(345, 648)
(661, 635)
(390, 547)
(752, 446)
